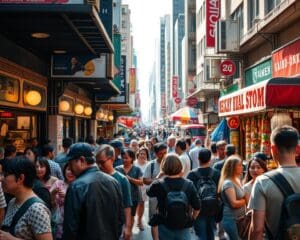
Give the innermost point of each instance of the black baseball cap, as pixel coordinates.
(260, 155)
(79, 149)
(116, 144)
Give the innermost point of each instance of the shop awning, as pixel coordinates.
(74, 28)
(273, 93)
(221, 132)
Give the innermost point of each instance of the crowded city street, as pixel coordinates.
(149, 120)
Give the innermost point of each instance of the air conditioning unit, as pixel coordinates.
(214, 69)
(95, 3)
(227, 37)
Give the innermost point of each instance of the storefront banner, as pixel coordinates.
(246, 100)
(132, 80)
(212, 16)
(258, 73)
(42, 1)
(286, 60)
(175, 86)
(71, 66)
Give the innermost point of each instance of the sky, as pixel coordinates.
(145, 22)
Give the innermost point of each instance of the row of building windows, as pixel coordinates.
(201, 14)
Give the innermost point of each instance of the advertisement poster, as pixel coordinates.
(71, 66)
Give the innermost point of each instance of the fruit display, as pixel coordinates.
(248, 139)
(265, 146)
(255, 139)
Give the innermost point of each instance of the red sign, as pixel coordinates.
(286, 61)
(177, 100)
(227, 67)
(192, 101)
(233, 122)
(163, 101)
(38, 1)
(174, 86)
(247, 100)
(212, 16)
(6, 115)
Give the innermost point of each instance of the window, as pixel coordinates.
(270, 5)
(123, 24)
(238, 15)
(253, 12)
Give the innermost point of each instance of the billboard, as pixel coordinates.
(175, 86)
(212, 16)
(42, 1)
(106, 16)
(132, 80)
(74, 66)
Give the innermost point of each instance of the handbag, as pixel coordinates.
(243, 225)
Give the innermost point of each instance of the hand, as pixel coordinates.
(126, 233)
(61, 193)
(6, 236)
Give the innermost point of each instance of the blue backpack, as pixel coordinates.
(177, 214)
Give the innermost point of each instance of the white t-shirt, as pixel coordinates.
(186, 164)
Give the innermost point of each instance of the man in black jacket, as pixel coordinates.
(93, 205)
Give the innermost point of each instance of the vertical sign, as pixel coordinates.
(175, 86)
(212, 16)
(132, 80)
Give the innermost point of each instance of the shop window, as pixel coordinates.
(9, 89)
(34, 96)
(17, 128)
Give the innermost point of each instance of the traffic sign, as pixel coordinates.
(177, 100)
(192, 101)
(227, 68)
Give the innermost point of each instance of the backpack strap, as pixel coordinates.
(284, 187)
(152, 168)
(22, 210)
(191, 161)
(281, 182)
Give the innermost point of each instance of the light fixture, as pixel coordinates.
(110, 117)
(64, 106)
(40, 35)
(79, 108)
(33, 98)
(59, 51)
(101, 115)
(88, 111)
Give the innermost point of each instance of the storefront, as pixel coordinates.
(23, 101)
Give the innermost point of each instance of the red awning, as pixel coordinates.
(276, 92)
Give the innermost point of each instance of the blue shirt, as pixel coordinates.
(118, 162)
(55, 170)
(125, 186)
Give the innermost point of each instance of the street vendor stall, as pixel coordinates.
(254, 106)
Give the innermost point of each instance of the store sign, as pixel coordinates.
(258, 73)
(192, 101)
(227, 68)
(212, 16)
(286, 61)
(246, 100)
(175, 86)
(71, 66)
(132, 80)
(177, 100)
(42, 1)
(6, 115)
(233, 122)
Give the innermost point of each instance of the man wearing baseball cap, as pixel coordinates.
(93, 204)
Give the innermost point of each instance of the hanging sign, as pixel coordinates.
(233, 122)
(212, 16)
(227, 68)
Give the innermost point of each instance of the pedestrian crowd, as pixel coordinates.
(90, 191)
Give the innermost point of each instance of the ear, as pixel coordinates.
(21, 179)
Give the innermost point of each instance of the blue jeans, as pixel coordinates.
(229, 225)
(172, 234)
(204, 227)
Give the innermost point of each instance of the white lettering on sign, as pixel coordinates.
(212, 16)
(245, 100)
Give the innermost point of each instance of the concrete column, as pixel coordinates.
(93, 128)
(55, 130)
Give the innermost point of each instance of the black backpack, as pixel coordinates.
(207, 191)
(177, 214)
(289, 225)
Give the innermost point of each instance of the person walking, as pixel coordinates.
(186, 161)
(267, 197)
(174, 220)
(232, 195)
(93, 203)
(205, 180)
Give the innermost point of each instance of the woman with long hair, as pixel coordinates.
(232, 195)
(141, 162)
(43, 172)
(256, 167)
(134, 176)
